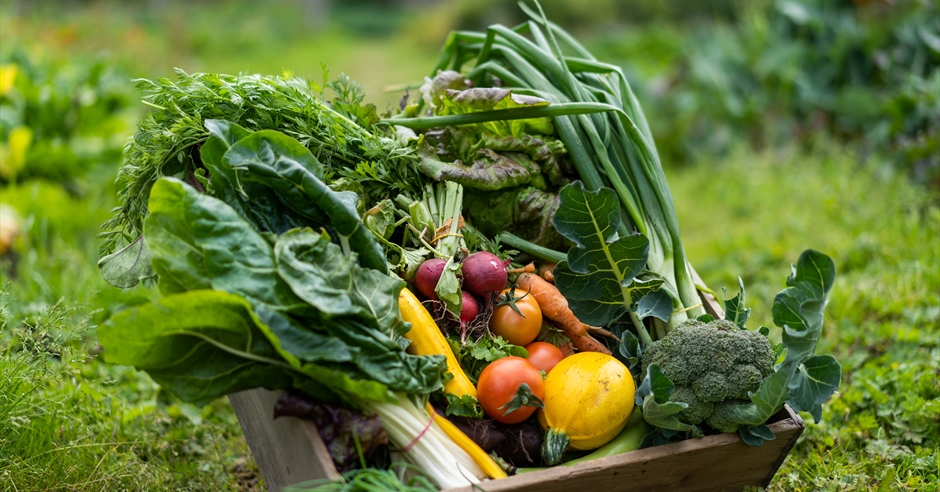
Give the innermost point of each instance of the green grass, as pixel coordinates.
(70, 422)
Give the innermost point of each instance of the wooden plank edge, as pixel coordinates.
(286, 450)
(787, 421)
(793, 420)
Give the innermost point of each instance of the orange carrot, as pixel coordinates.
(554, 306)
(546, 271)
(587, 343)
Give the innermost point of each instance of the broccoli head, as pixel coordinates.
(713, 366)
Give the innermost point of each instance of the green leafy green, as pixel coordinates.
(330, 322)
(474, 357)
(803, 380)
(199, 242)
(601, 277)
(168, 138)
(735, 309)
(282, 163)
(199, 345)
(128, 266)
(258, 204)
(652, 396)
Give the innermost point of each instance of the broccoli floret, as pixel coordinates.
(697, 411)
(713, 365)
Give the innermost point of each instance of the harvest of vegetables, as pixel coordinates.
(380, 266)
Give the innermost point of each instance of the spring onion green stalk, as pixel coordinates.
(430, 450)
(610, 149)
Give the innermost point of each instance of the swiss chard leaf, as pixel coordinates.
(199, 242)
(256, 203)
(200, 345)
(600, 277)
(282, 163)
(802, 380)
(128, 266)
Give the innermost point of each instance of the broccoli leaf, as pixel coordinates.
(657, 304)
(601, 277)
(802, 380)
(653, 397)
(816, 380)
(735, 310)
(756, 435)
(628, 351)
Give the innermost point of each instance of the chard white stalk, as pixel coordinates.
(440, 458)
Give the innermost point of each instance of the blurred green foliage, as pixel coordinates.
(60, 117)
(790, 71)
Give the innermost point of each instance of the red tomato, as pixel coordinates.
(517, 318)
(544, 355)
(510, 389)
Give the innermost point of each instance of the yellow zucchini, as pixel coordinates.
(588, 399)
(427, 339)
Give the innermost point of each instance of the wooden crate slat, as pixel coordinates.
(288, 450)
(719, 462)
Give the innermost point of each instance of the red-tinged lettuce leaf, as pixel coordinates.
(338, 427)
(495, 98)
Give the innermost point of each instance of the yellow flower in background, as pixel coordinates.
(7, 77)
(13, 152)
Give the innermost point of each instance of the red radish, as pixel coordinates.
(427, 276)
(483, 273)
(469, 309)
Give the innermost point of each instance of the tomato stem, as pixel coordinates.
(510, 299)
(523, 398)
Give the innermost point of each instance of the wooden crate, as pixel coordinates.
(289, 450)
